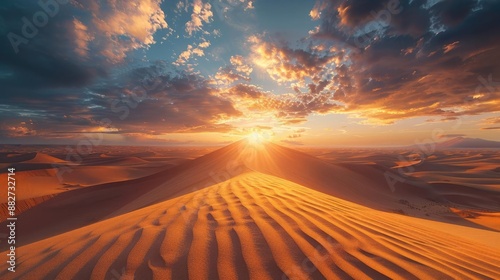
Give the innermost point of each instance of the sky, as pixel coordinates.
(198, 72)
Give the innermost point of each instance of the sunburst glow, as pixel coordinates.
(255, 138)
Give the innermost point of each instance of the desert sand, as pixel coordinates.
(261, 211)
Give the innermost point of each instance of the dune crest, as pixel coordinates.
(366, 186)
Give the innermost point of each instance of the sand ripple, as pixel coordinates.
(255, 226)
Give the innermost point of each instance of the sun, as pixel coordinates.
(255, 138)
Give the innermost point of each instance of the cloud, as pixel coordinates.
(452, 12)
(239, 63)
(381, 61)
(354, 13)
(315, 12)
(383, 69)
(79, 42)
(491, 128)
(146, 139)
(120, 27)
(492, 120)
(148, 100)
(234, 13)
(82, 38)
(452, 135)
(192, 51)
(450, 47)
(287, 65)
(246, 91)
(239, 70)
(202, 13)
(174, 102)
(409, 65)
(204, 45)
(228, 75)
(489, 123)
(286, 108)
(291, 142)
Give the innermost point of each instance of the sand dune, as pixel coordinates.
(463, 142)
(44, 158)
(35, 182)
(28, 158)
(361, 184)
(256, 226)
(41, 180)
(108, 160)
(254, 212)
(464, 179)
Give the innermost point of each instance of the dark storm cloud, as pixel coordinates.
(61, 43)
(144, 101)
(453, 12)
(354, 13)
(410, 18)
(160, 102)
(37, 50)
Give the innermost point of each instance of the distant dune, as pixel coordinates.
(44, 158)
(40, 178)
(28, 158)
(247, 212)
(463, 143)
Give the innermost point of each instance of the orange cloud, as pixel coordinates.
(202, 13)
(82, 38)
(450, 47)
(134, 21)
(237, 71)
(191, 51)
(284, 64)
(240, 65)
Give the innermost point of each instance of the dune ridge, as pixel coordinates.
(362, 185)
(256, 226)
